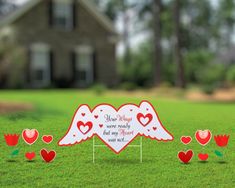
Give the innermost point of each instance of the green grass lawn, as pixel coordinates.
(73, 165)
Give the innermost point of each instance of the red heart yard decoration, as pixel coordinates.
(186, 139)
(30, 155)
(144, 119)
(48, 156)
(203, 156)
(47, 139)
(84, 128)
(203, 137)
(30, 136)
(185, 157)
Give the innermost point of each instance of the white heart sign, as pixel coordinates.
(115, 127)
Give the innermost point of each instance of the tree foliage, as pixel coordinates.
(204, 29)
(6, 6)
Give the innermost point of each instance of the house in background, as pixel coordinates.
(69, 43)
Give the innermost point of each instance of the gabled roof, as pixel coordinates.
(104, 20)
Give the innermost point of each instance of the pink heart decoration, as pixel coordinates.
(30, 136)
(203, 137)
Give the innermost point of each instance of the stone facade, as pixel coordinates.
(33, 27)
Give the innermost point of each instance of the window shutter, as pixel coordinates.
(51, 65)
(73, 61)
(94, 67)
(50, 13)
(74, 14)
(28, 71)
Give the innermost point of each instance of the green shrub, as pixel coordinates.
(230, 76)
(139, 70)
(211, 77)
(99, 89)
(12, 63)
(209, 89)
(169, 72)
(212, 74)
(17, 75)
(166, 84)
(194, 62)
(128, 86)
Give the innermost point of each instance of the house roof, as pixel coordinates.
(104, 20)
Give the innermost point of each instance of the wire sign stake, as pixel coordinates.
(136, 146)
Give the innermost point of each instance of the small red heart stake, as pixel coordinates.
(48, 156)
(30, 155)
(185, 157)
(203, 156)
(47, 139)
(186, 139)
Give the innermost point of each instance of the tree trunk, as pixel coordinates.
(126, 41)
(180, 80)
(157, 65)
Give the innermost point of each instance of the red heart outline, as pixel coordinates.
(81, 123)
(186, 139)
(185, 157)
(203, 141)
(149, 116)
(28, 140)
(116, 109)
(47, 139)
(47, 156)
(30, 155)
(203, 156)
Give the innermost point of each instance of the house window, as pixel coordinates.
(63, 14)
(40, 65)
(84, 65)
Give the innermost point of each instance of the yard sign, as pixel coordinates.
(117, 128)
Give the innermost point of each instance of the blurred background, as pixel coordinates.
(168, 46)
